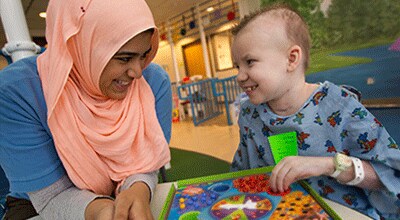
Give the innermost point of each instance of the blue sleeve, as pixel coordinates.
(27, 153)
(160, 84)
(241, 157)
(248, 154)
(367, 139)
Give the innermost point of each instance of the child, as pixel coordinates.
(343, 150)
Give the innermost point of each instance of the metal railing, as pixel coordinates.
(207, 98)
(228, 89)
(202, 100)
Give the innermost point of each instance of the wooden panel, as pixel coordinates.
(194, 60)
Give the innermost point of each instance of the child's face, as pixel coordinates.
(260, 54)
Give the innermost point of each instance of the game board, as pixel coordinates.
(243, 195)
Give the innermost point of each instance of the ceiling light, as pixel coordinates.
(370, 81)
(42, 14)
(210, 9)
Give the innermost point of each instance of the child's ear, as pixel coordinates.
(294, 58)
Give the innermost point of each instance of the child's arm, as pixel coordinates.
(294, 168)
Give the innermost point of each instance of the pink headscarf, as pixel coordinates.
(100, 141)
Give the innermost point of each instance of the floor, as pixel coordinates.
(213, 137)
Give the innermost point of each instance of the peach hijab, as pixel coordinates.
(100, 141)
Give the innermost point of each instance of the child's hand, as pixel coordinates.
(293, 168)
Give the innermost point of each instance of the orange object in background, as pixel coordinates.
(175, 115)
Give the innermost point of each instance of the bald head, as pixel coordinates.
(295, 28)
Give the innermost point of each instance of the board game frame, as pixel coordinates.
(225, 176)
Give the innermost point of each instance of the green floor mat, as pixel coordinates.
(189, 164)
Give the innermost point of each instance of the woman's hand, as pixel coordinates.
(100, 209)
(133, 203)
(293, 168)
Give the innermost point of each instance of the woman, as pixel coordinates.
(79, 125)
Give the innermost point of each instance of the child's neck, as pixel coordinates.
(293, 100)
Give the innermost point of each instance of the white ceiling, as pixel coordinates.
(162, 10)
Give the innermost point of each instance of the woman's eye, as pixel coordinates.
(124, 59)
(144, 56)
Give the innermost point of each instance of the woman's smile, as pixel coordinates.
(121, 85)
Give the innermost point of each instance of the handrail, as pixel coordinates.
(230, 90)
(202, 99)
(382, 103)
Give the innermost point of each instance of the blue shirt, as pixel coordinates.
(330, 121)
(27, 152)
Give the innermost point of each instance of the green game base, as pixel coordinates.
(232, 175)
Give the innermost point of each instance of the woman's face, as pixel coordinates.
(125, 66)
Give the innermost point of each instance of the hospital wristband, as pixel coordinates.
(359, 172)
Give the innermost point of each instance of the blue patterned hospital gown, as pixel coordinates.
(332, 120)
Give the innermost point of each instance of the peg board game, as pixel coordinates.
(243, 195)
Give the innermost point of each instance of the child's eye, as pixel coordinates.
(250, 61)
